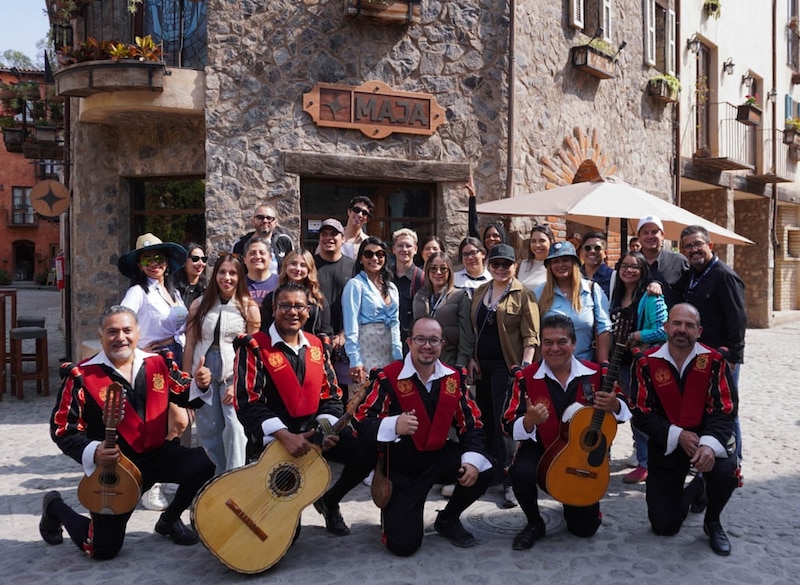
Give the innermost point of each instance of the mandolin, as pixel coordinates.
(247, 517)
(575, 469)
(115, 488)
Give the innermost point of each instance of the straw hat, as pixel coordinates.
(175, 253)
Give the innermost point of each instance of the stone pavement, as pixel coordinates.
(762, 519)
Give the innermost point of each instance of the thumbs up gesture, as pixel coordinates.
(202, 374)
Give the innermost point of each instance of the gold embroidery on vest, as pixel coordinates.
(662, 375)
(702, 362)
(103, 393)
(276, 360)
(450, 386)
(158, 382)
(316, 354)
(405, 387)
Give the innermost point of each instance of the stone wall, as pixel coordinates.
(106, 158)
(787, 261)
(715, 205)
(264, 56)
(754, 264)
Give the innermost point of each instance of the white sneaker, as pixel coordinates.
(448, 489)
(154, 499)
(367, 481)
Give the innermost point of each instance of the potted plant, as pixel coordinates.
(664, 87)
(595, 58)
(45, 131)
(791, 131)
(713, 7)
(749, 113)
(13, 136)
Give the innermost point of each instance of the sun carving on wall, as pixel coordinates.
(566, 166)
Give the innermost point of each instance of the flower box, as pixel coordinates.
(13, 138)
(592, 61)
(791, 136)
(660, 89)
(749, 115)
(45, 134)
(91, 77)
(385, 11)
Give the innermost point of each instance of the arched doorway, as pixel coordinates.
(24, 260)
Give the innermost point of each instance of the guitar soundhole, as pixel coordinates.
(109, 478)
(285, 480)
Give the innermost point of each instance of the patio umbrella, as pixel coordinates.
(597, 202)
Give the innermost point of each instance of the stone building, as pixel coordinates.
(305, 104)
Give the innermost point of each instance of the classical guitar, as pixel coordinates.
(247, 517)
(115, 488)
(575, 470)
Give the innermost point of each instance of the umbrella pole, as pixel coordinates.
(623, 237)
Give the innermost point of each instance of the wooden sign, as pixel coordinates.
(374, 108)
(50, 198)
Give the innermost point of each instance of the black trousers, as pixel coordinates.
(102, 536)
(581, 520)
(358, 459)
(668, 502)
(491, 391)
(402, 518)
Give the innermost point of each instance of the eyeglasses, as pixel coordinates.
(361, 211)
(369, 254)
(634, 267)
(500, 264)
(156, 259)
(260, 217)
(596, 248)
(203, 259)
(470, 253)
(286, 307)
(439, 269)
(420, 341)
(694, 245)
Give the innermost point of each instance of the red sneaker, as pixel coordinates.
(638, 475)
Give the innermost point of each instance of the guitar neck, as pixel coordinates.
(352, 406)
(110, 440)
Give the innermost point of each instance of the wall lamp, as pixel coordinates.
(728, 66)
(693, 44)
(772, 95)
(747, 79)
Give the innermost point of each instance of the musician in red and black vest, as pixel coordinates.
(284, 384)
(411, 407)
(542, 396)
(151, 382)
(685, 400)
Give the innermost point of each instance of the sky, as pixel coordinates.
(23, 23)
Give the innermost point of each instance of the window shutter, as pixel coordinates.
(670, 36)
(605, 20)
(650, 32)
(576, 18)
(787, 106)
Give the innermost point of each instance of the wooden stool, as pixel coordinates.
(29, 321)
(40, 373)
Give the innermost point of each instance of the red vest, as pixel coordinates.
(300, 401)
(536, 388)
(141, 435)
(682, 409)
(431, 435)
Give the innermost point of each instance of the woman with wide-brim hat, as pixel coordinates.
(162, 317)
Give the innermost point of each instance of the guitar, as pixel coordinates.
(115, 488)
(575, 470)
(247, 517)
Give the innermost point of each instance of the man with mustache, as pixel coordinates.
(685, 401)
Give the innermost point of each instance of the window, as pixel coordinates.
(590, 15)
(181, 25)
(173, 210)
(793, 36)
(397, 205)
(22, 211)
(659, 35)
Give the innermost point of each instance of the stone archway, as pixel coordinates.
(561, 168)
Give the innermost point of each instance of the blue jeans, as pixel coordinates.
(639, 438)
(737, 428)
(218, 428)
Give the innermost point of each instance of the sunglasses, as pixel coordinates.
(500, 264)
(369, 254)
(439, 269)
(156, 259)
(260, 217)
(203, 259)
(596, 248)
(361, 211)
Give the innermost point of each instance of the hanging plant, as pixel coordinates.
(713, 7)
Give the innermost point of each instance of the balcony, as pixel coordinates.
(22, 217)
(92, 77)
(782, 169)
(730, 146)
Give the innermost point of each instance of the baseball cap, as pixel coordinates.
(649, 219)
(502, 252)
(332, 223)
(561, 249)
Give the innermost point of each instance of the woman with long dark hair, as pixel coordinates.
(191, 279)
(215, 319)
(370, 310)
(299, 267)
(648, 313)
(532, 271)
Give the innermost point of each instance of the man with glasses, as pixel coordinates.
(412, 405)
(285, 386)
(666, 266)
(359, 212)
(718, 294)
(265, 224)
(594, 266)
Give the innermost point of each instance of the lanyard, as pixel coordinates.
(694, 282)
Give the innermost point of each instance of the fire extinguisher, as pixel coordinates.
(60, 270)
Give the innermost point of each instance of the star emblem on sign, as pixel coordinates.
(50, 198)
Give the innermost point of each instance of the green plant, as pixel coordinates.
(144, 49)
(713, 7)
(673, 83)
(751, 100)
(7, 122)
(602, 46)
(5, 279)
(792, 124)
